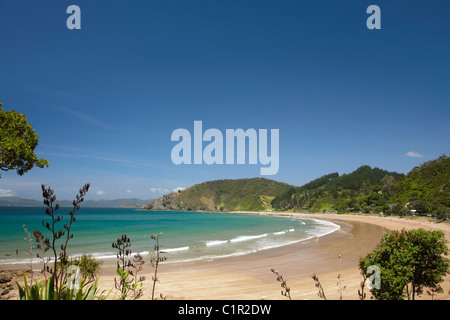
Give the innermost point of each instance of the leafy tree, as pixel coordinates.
(389, 182)
(422, 206)
(18, 140)
(443, 213)
(314, 184)
(396, 209)
(365, 188)
(409, 261)
(404, 212)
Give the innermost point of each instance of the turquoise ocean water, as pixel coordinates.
(186, 236)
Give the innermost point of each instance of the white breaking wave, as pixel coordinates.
(283, 232)
(174, 249)
(246, 238)
(215, 242)
(239, 245)
(325, 227)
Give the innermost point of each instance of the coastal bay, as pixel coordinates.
(249, 276)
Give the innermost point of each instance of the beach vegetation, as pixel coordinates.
(286, 291)
(321, 292)
(45, 289)
(367, 275)
(134, 270)
(155, 260)
(340, 285)
(128, 282)
(60, 254)
(409, 261)
(89, 267)
(65, 281)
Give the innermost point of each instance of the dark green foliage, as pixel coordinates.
(285, 200)
(426, 189)
(362, 190)
(295, 197)
(321, 181)
(442, 213)
(409, 261)
(18, 140)
(363, 176)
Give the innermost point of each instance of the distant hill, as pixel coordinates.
(15, 201)
(223, 195)
(116, 203)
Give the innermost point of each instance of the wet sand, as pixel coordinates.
(249, 277)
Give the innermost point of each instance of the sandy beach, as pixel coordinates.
(249, 277)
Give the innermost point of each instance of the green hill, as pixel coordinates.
(364, 189)
(223, 195)
(425, 188)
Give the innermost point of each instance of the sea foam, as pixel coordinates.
(246, 238)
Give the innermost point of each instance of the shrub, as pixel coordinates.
(409, 261)
(89, 267)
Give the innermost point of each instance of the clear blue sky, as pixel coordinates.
(105, 99)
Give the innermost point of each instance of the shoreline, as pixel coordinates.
(197, 247)
(248, 277)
